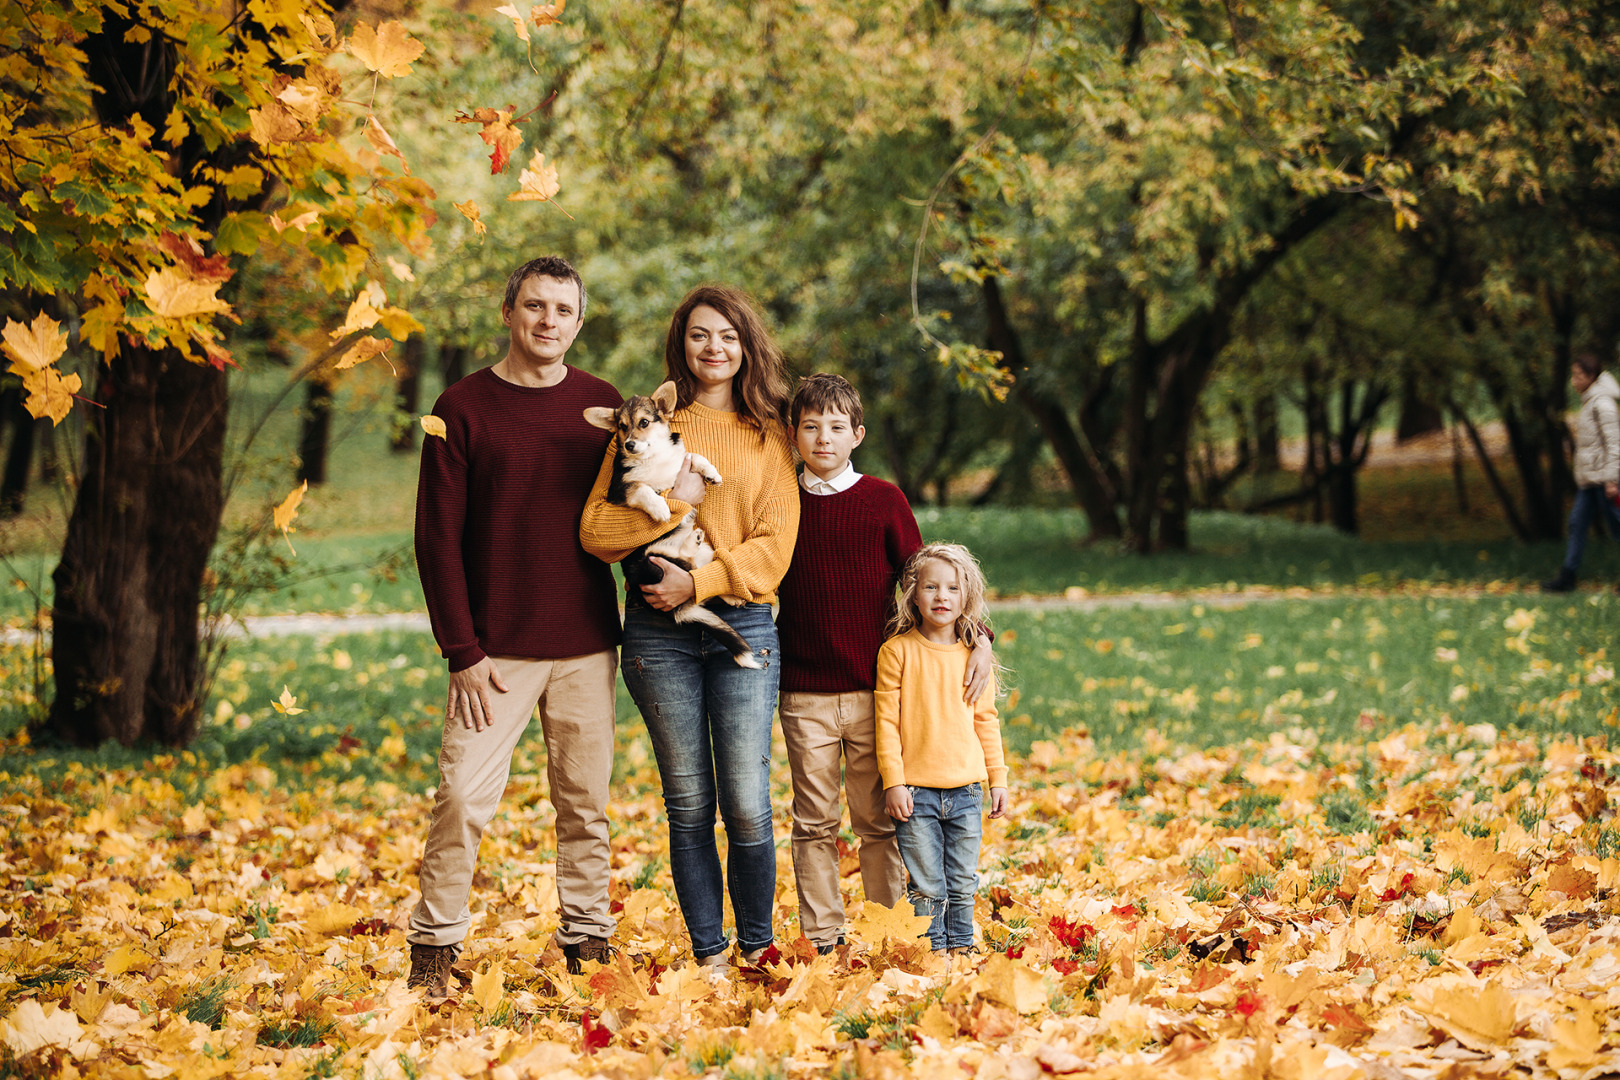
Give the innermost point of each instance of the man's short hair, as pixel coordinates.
(551, 266)
(825, 392)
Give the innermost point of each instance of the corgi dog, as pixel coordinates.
(650, 456)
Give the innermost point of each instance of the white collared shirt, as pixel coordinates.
(815, 485)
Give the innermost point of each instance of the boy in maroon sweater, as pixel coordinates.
(523, 615)
(855, 534)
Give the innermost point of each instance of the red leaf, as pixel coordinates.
(1247, 1004)
(596, 1037)
(1065, 966)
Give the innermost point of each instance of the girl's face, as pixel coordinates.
(713, 348)
(939, 594)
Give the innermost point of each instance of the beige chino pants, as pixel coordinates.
(575, 698)
(819, 730)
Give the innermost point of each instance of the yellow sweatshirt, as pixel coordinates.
(752, 518)
(927, 736)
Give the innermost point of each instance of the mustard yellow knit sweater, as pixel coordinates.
(752, 518)
(927, 736)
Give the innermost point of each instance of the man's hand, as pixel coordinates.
(998, 802)
(981, 666)
(689, 486)
(469, 695)
(676, 588)
(897, 801)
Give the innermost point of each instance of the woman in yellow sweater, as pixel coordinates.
(709, 719)
(936, 753)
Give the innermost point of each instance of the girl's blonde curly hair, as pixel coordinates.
(974, 616)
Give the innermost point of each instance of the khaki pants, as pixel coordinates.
(575, 697)
(819, 728)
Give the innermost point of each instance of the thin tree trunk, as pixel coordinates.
(125, 630)
(1458, 482)
(315, 433)
(20, 457)
(408, 395)
(1267, 439)
(1494, 478)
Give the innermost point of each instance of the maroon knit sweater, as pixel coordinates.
(838, 594)
(497, 521)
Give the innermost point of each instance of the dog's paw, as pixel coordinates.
(658, 511)
(712, 478)
(734, 601)
(748, 660)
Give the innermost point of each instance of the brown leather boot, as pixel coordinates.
(592, 948)
(430, 970)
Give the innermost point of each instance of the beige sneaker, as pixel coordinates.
(430, 970)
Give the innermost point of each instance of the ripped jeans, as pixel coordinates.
(940, 844)
(710, 723)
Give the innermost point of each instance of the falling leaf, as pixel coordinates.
(388, 49)
(469, 210)
(547, 14)
(498, 130)
(50, 393)
(362, 350)
(400, 270)
(383, 142)
(433, 425)
(34, 346)
(489, 987)
(175, 295)
(288, 510)
(303, 100)
(286, 703)
(363, 313)
(537, 183)
(519, 23)
(301, 222)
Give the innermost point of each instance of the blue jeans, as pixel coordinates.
(710, 722)
(940, 845)
(1590, 502)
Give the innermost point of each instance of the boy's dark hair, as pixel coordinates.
(551, 266)
(822, 392)
(1590, 363)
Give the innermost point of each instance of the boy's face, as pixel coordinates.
(825, 441)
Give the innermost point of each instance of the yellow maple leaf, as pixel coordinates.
(285, 704)
(1480, 1017)
(470, 211)
(303, 100)
(489, 986)
(50, 393)
(434, 426)
(125, 958)
(363, 313)
(275, 123)
(388, 50)
(548, 14)
(876, 922)
(36, 345)
(361, 351)
(288, 510)
(519, 23)
(174, 294)
(537, 183)
(1013, 983)
(333, 918)
(1577, 1040)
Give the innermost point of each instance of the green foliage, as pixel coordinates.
(308, 1031)
(205, 1002)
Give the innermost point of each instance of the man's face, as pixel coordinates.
(545, 320)
(825, 441)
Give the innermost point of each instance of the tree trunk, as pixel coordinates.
(125, 626)
(19, 459)
(1267, 439)
(454, 361)
(408, 395)
(315, 434)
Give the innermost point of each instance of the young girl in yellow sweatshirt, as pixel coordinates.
(935, 752)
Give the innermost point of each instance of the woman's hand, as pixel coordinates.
(676, 588)
(897, 801)
(689, 486)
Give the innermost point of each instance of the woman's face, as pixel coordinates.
(1580, 380)
(713, 348)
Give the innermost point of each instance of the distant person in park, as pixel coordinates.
(709, 718)
(937, 753)
(1597, 464)
(523, 615)
(855, 534)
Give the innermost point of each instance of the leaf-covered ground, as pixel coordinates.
(1439, 902)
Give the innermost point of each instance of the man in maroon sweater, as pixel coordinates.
(523, 615)
(855, 534)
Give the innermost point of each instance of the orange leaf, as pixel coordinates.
(548, 14)
(302, 222)
(382, 141)
(498, 131)
(175, 294)
(518, 22)
(50, 393)
(470, 211)
(288, 510)
(388, 50)
(363, 350)
(537, 183)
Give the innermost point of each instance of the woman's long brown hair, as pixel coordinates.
(759, 390)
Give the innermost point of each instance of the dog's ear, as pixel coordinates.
(603, 417)
(665, 397)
